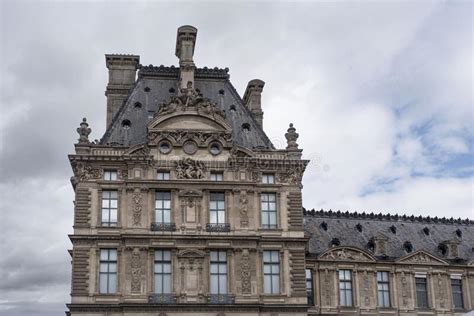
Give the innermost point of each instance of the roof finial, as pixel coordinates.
(291, 138)
(83, 130)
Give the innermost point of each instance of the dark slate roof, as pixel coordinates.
(343, 226)
(156, 85)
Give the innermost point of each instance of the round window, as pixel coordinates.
(215, 148)
(190, 147)
(165, 147)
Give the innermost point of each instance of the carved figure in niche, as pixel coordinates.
(137, 207)
(244, 220)
(327, 288)
(190, 169)
(442, 301)
(404, 290)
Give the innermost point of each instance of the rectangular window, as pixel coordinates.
(421, 293)
(217, 176)
(219, 272)
(163, 207)
(271, 272)
(108, 271)
(110, 175)
(309, 287)
(217, 208)
(269, 211)
(456, 287)
(162, 271)
(268, 179)
(109, 207)
(163, 175)
(383, 288)
(345, 287)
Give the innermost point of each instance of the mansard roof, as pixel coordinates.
(156, 85)
(328, 229)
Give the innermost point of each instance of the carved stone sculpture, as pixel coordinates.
(190, 169)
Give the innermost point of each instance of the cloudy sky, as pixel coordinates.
(380, 93)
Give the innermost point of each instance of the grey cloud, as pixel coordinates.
(338, 71)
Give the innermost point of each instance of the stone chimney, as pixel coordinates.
(253, 99)
(185, 43)
(122, 73)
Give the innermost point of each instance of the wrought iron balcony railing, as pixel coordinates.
(221, 299)
(164, 227)
(219, 228)
(162, 299)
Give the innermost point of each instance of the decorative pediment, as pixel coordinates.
(189, 111)
(191, 253)
(422, 257)
(346, 254)
(241, 152)
(139, 150)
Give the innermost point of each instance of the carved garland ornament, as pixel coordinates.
(245, 273)
(180, 136)
(136, 270)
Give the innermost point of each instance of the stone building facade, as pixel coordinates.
(186, 207)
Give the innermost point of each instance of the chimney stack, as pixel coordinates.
(253, 99)
(185, 43)
(122, 73)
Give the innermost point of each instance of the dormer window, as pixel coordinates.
(110, 175)
(217, 176)
(268, 178)
(163, 175)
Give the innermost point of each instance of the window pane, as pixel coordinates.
(113, 216)
(223, 284)
(112, 283)
(167, 216)
(214, 284)
(158, 283)
(103, 283)
(275, 284)
(267, 284)
(167, 283)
